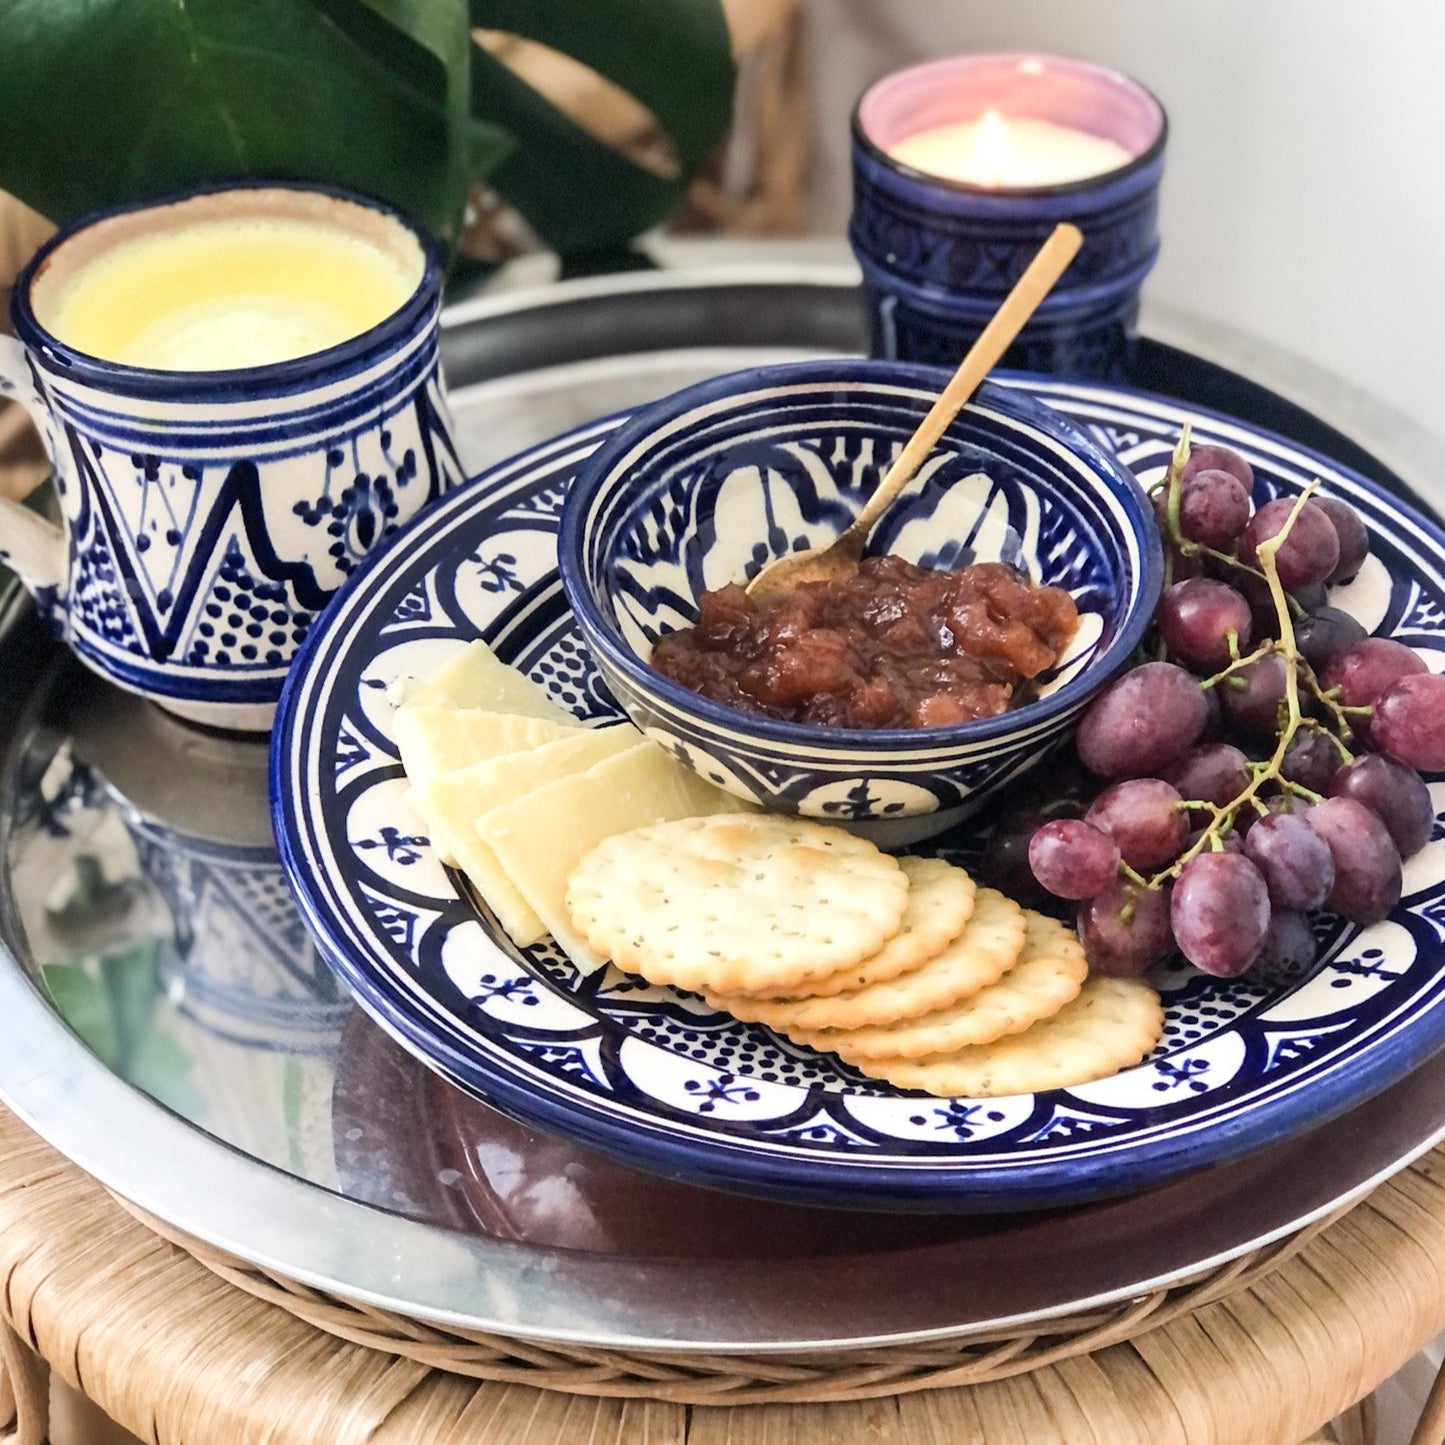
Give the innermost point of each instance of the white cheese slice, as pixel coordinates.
(452, 802)
(477, 678)
(433, 740)
(541, 837)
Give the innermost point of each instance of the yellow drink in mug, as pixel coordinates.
(241, 396)
(246, 281)
(229, 293)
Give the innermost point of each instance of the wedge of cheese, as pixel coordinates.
(540, 837)
(477, 678)
(433, 739)
(452, 802)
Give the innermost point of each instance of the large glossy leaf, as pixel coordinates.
(108, 101)
(102, 101)
(440, 28)
(673, 55)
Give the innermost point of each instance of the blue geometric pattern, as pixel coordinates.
(658, 1078)
(788, 456)
(198, 560)
(937, 261)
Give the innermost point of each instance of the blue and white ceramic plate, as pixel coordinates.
(657, 1078)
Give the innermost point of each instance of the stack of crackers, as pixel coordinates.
(904, 968)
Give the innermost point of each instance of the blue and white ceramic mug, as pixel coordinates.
(208, 516)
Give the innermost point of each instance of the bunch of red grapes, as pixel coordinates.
(1264, 762)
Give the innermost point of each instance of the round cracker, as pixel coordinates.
(736, 901)
(1050, 971)
(940, 903)
(1111, 1025)
(987, 948)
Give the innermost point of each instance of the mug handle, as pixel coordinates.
(32, 545)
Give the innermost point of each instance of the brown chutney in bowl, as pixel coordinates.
(891, 645)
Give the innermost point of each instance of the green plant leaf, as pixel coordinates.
(577, 193)
(104, 101)
(674, 56)
(441, 29)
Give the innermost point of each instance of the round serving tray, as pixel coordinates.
(227, 1089)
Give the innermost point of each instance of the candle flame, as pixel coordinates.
(992, 149)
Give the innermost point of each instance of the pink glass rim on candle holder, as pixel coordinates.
(1018, 85)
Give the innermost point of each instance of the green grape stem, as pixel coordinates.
(1174, 480)
(1297, 671)
(1176, 543)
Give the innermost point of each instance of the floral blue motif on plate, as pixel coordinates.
(660, 1080)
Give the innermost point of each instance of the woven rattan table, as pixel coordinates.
(176, 1353)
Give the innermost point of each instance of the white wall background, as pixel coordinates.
(1304, 192)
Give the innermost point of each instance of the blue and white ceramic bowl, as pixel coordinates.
(705, 487)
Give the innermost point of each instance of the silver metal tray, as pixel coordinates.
(165, 1022)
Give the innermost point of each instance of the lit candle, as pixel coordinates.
(1009, 152)
(961, 167)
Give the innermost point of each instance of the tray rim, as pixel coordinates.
(44, 1068)
(229, 1225)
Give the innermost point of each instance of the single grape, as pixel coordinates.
(1252, 697)
(1294, 860)
(1213, 509)
(1324, 633)
(1125, 930)
(1073, 859)
(1364, 671)
(1311, 760)
(1409, 721)
(1288, 949)
(1220, 912)
(1005, 863)
(1210, 773)
(1311, 597)
(1142, 721)
(1207, 458)
(1197, 618)
(1145, 817)
(1354, 539)
(1159, 501)
(1264, 616)
(1213, 728)
(1309, 554)
(1182, 568)
(1397, 795)
(1367, 864)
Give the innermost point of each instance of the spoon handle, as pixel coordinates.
(996, 338)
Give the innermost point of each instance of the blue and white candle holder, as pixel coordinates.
(939, 255)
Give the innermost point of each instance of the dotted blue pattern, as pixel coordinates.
(655, 1075)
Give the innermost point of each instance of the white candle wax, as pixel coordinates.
(1010, 151)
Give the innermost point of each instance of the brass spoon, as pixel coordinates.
(840, 557)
